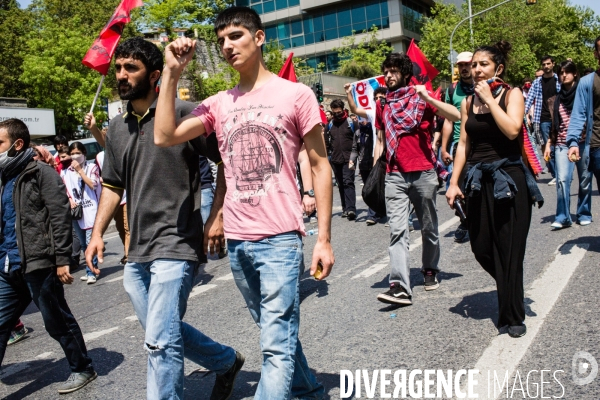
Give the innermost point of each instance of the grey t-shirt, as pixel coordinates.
(163, 186)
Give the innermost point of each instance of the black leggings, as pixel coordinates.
(498, 232)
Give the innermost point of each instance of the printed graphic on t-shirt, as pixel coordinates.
(255, 154)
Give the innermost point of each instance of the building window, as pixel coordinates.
(413, 15)
(331, 24)
(267, 6)
(329, 62)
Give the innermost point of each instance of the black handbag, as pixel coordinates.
(77, 211)
(373, 192)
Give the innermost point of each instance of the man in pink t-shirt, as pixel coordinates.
(260, 126)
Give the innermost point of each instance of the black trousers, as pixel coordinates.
(45, 289)
(345, 179)
(498, 231)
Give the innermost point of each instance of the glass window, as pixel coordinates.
(298, 41)
(385, 22)
(332, 62)
(271, 33)
(358, 14)
(384, 9)
(319, 36)
(255, 1)
(268, 6)
(285, 43)
(359, 27)
(331, 34)
(373, 11)
(308, 25)
(293, 3)
(309, 38)
(343, 17)
(258, 8)
(345, 31)
(374, 22)
(279, 4)
(318, 23)
(329, 20)
(296, 27)
(242, 3)
(312, 62)
(283, 30)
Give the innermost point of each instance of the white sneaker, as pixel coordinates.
(91, 280)
(84, 278)
(552, 182)
(556, 225)
(585, 222)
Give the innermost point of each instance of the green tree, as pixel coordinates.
(14, 28)
(166, 15)
(550, 27)
(363, 59)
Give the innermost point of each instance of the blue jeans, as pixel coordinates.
(84, 237)
(545, 130)
(159, 291)
(267, 272)
(594, 166)
(564, 176)
(206, 201)
(45, 289)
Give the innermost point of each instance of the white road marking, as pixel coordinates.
(132, 318)
(88, 337)
(228, 277)
(504, 353)
(120, 278)
(373, 269)
(44, 355)
(201, 289)
(441, 229)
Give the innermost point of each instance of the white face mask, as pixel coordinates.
(4, 158)
(80, 158)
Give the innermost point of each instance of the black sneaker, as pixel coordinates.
(517, 331)
(461, 234)
(396, 295)
(351, 215)
(430, 277)
(345, 214)
(224, 382)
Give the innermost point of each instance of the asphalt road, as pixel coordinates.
(344, 327)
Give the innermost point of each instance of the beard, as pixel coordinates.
(134, 92)
(401, 83)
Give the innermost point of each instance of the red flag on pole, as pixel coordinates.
(100, 54)
(423, 71)
(287, 71)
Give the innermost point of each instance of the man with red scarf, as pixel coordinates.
(408, 122)
(342, 131)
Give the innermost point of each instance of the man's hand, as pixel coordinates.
(63, 274)
(446, 157)
(574, 154)
(351, 165)
(179, 53)
(348, 88)
(214, 236)
(89, 121)
(95, 247)
(322, 253)
(309, 204)
(422, 92)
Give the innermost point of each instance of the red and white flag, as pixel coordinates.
(100, 54)
(423, 71)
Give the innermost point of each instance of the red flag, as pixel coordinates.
(438, 93)
(287, 71)
(100, 54)
(423, 71)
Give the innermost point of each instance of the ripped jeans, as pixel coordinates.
(159, 291)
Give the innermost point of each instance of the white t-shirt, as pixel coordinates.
(90, 197)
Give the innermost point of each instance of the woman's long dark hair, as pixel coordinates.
(79, 146)
(571, 68)
(499, 54)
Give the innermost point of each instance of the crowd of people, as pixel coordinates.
(264, 149)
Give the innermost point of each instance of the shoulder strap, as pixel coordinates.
(450, 92)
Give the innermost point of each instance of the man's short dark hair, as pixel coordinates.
(60, 139)
(380, 90)
(16, 129)
(239, 16)
(140, 49)
(337, 103)
(547, 57)
(400, 61)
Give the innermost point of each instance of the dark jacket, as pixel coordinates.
(342, 138)
(44, 229)
(554, 130)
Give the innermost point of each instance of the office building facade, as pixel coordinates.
(313, 29)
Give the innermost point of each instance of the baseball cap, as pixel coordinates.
(465, 56)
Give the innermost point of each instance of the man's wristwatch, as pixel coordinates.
(310, 193)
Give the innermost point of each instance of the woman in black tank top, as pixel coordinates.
(491, 123)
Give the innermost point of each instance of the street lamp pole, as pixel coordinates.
(463, 21)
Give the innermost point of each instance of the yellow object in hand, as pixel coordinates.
(573, 157)
(319, 271)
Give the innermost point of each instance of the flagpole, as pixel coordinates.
(97, 94)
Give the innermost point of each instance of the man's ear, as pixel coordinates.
(19, 144)
(259, 38)
(154, 77)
